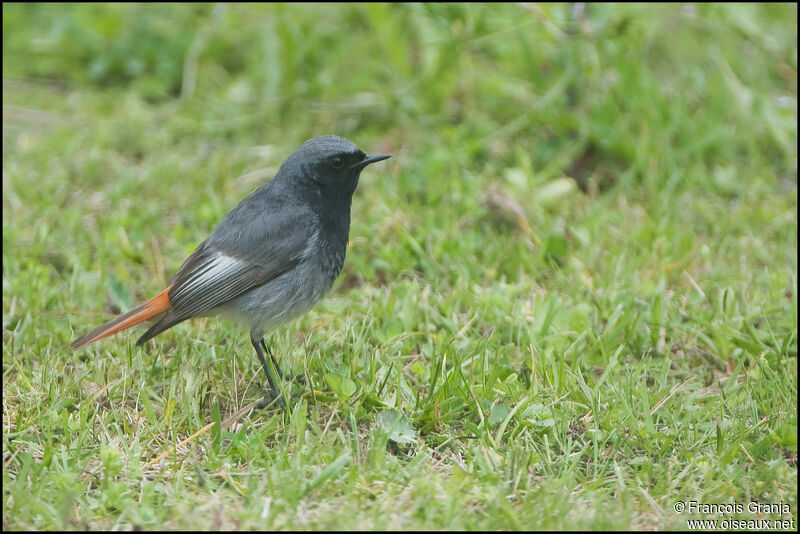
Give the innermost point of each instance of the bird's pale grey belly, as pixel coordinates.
(286, 297)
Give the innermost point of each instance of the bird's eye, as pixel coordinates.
(336, 162)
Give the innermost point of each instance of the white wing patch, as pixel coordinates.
(215, 270)
(212, 283)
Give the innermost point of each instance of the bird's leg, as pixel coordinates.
(274, 391)
(271, 357)
(297, 378)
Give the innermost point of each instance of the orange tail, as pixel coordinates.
(155, 306)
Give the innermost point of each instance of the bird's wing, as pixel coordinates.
(258, 241)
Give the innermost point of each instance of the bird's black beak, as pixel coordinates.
(371, 159)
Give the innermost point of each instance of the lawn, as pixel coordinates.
(569, 300)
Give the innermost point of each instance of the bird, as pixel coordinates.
(270, 259)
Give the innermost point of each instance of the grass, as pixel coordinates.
(569, 300)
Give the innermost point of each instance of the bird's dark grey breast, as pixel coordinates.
(330, 246)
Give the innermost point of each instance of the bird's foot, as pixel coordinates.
(270, 399)
(275, 397)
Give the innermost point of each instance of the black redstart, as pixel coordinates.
(271, 258)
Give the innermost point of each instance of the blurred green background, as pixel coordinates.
(574, 285)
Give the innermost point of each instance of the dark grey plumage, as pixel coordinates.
(271, 258)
